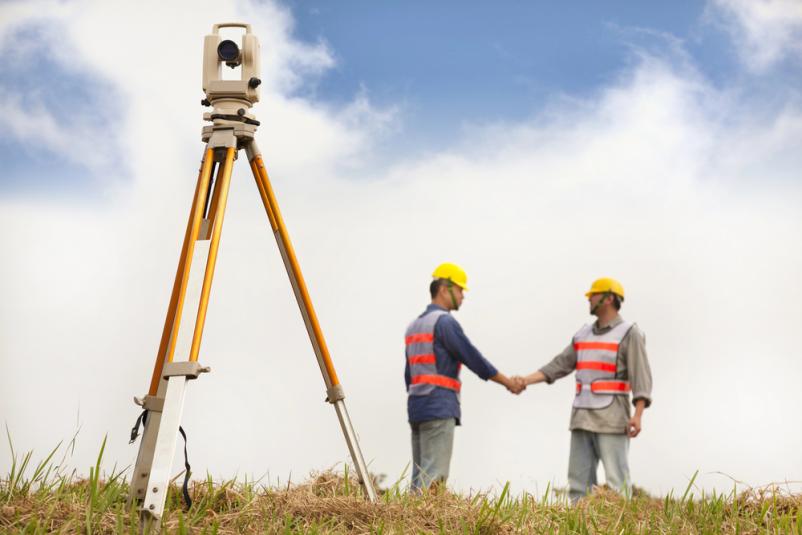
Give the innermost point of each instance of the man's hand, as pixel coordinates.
(633, 426)
(517, 385)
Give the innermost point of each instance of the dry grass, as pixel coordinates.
(50, 501)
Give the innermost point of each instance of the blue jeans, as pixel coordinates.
(432, 443)
(587, 448)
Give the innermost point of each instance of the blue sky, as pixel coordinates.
(488, 60)
(440, 66)
(447, 63)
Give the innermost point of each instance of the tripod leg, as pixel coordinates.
(161, 433)
(335, 394)
(218, 211)
(158, 386)
(171, 324)
(179, 373)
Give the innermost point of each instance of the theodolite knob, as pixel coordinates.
(254, 82)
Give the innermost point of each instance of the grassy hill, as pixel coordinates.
(44, 499)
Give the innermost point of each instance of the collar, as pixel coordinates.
(597, 328)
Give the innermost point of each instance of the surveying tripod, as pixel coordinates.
(233, 128)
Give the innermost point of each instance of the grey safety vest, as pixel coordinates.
(597, 366)
(422, 361)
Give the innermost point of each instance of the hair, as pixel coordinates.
(617, 302)
(435, 285)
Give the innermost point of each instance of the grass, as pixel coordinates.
(47, 498)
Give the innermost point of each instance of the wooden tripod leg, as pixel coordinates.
(335, 394)
(154, 400)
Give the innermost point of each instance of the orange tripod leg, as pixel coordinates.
(153, 401)
(175, 308)
(335, 394)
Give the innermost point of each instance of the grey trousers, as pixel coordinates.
(587, 449)
(432, 443)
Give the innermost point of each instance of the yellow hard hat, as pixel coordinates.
(452, 272)
(606, 285)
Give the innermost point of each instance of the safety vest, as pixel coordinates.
(422, 360)
(597, 366)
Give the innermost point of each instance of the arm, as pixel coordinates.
(451, 335)
(640, 378)
(560, 366)
(534, 378)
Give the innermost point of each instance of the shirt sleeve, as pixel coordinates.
(450, 333)
(638, 370)
(561, 365)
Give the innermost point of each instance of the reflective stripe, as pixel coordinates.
(605, 387)
(595, 365)
(604, 346)
(418, 338)
(609, 386)
(437, 380)
(422, 359)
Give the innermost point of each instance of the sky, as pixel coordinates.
(538, 146)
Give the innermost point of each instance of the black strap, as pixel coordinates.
(187, 472)
(143, 418)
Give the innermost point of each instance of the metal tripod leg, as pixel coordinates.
(154, 400)
(178, 374)
(334, 390)
(158, 445)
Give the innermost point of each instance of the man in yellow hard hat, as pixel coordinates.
(611, 365)
(436, 349)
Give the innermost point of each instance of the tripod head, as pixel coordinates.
(230, 99)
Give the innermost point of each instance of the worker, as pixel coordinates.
(609, 357)
(436, 349)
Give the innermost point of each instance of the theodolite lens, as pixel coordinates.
(228, 51)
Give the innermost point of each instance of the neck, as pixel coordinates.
(442, 303)
(606, 316)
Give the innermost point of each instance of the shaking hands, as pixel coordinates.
(515, 384)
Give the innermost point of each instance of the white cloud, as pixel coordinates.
(765, 31)
(679, 189)
(37, 128)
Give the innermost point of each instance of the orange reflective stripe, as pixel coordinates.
(607, 346)
(437, 380)
(595, 365)
(612, 386)
(422, 359)
(418, 338)
(578, 388)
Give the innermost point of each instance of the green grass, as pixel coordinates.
(48, 498)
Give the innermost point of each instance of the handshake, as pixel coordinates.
(515, 384)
